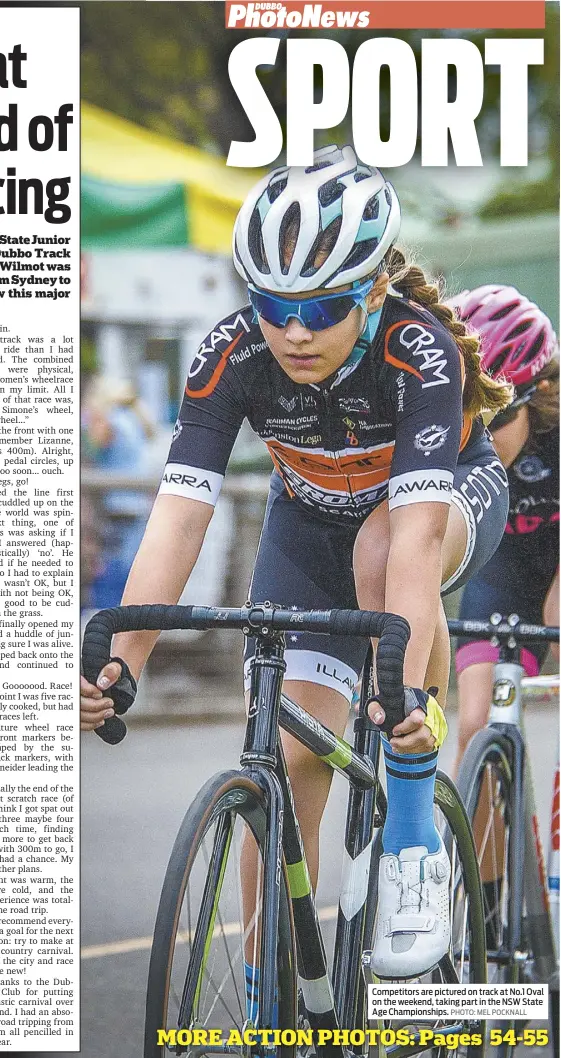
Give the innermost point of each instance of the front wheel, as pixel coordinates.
(201, 996)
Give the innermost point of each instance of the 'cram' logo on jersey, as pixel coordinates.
(199, 362)
(431, 438)
(223, 333)
(432, 362)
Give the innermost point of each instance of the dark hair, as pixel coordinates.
(481, 391)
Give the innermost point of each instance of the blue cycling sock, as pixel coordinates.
(410, 817)
(252, 996)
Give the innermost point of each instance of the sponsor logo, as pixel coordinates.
(351, 439)
(288, 405)
(351, 404)
(400, 382)
(408, 488)
(419, 341)
(334, 675)
(199, 362)
(431, 438)
(180, 478)
(531, 468)
(308, 401)
(504, 693)
(224, 333)
(176, 430)
(248, 352)
(481, 484)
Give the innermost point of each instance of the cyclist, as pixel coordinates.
(368, 398)
(522, 577)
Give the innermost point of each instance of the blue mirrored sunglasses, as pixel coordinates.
(317, 314)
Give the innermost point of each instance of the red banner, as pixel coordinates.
(386, 14)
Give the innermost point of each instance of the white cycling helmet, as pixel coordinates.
(335, 191)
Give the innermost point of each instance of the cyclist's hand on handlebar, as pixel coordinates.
(424, 727)
(95, 706)
(413, 735)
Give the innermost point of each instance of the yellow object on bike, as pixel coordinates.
(436, 721)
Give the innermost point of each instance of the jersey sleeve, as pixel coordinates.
(208, 423)
(427, 384)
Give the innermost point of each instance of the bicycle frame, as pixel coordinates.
(263, 759)
(529, 889)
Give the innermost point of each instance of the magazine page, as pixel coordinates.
(319, 372)
(39, 467)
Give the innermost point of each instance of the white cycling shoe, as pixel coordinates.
(413, 922)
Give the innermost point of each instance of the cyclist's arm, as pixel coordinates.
(165, 559)
(427, 383)
(413, 578)
(509, 440)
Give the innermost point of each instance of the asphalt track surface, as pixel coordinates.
(133, 799)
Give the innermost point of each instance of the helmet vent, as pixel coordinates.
(276, 189)
(359, 253)
(501, 313)
(534, 350)
(388, 196)
(520, 329)
(319, 165)
(330, 192)
(322, 246)
(255, 243)
(372, 209)
(288, 236)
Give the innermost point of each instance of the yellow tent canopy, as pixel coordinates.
(143, 189)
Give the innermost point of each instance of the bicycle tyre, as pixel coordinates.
(448, 801)
(487, 750)
(235, 795)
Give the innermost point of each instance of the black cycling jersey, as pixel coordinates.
(533, 478)
(388, 422)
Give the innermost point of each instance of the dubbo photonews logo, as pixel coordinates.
(394, 14)
(272, 15)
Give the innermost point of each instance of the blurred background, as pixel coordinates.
(158, 205)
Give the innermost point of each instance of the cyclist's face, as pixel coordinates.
(312, 356)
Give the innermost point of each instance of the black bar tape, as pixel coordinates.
(392, 632)
(123, 692)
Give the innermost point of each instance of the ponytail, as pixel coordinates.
(481, 391)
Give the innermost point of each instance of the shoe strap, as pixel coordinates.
(402, 922)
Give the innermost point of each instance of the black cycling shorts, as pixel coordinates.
(308, 563)
(513, 581)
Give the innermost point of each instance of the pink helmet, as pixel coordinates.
(517, 338)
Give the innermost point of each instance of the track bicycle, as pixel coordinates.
(495, 782)
(213, 918)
